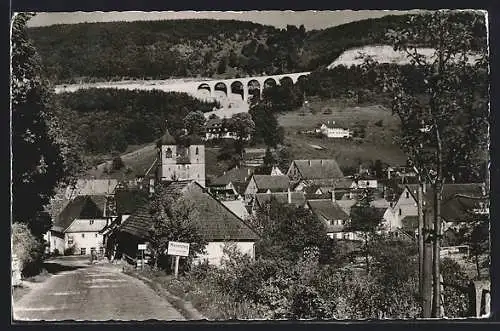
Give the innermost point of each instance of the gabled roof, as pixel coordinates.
(235, 175)
(344, 183)
(127, 201)
(92, 187)
(327, 209)
(346, 205)
(318, 169)
(297, 198)
(460, 208)
(449, 191)
(216, 222)
(84, 207)
(273, 183)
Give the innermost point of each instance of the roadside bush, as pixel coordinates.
(455, 289)
(28, 249)
(70, 250)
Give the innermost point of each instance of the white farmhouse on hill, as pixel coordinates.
(332, 132)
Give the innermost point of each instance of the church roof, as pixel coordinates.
(167, 139)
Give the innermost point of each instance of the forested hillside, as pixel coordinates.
(208, 48)
(109, 120)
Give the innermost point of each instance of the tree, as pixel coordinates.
(42, 154)
(287, 231)
(174, 219)
(267, 128)
(194, 122)
(243, 126)
(365, 219)
(442, 105)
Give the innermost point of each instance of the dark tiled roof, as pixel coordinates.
(83, 206)
(238, 174)
(327, 209)
(127, 201)
(449, 191)
(273, 183)
(318, 169)
(217, 222)
(298, 198)
(459, 208)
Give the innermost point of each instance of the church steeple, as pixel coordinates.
(167, 138)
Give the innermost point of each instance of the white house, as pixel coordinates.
(219, 225)
(332, 132)
(77, 228)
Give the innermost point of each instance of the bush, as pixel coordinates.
(379, 123)
(28, 249)
(70, 250)
(56, 252)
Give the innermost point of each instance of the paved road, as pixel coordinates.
(85, 292)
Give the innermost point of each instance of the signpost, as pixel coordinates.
(177, 249)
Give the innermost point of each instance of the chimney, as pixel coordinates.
(321, 162)
(289, 196)
(309, 162)
(424, 188)
(248, 172)
(333, 194)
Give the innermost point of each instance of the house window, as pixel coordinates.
(407, 195)
(196, 151)
(83, 251)
(83, 235)
(101, 250)
(168, 153)
(91, 222)
(399, 211)
(92, 250)
(70, 240)
(96, 235)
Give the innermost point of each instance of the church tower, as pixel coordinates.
(181, 161)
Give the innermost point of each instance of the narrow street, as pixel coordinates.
(83, 292)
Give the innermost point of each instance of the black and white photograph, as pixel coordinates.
(328, 165)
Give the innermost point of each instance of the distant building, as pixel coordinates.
(333, 132)
(266, 184)
(333, 216)
(322, 172)
(220, 128)
(296, 199)
(181, 162)
(232, 182)
(78, 226)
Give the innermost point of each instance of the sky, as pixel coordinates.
(310, 19)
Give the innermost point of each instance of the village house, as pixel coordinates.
(232, 184)
(266, 184)
(456, 199)
(77, 227)
(322, 172)
(296, 199)
(218, 128)
(219, 225)
(336, 220)
(334, 132)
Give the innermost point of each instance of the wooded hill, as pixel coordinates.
(208, 48)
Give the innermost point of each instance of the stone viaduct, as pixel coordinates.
(239, 88)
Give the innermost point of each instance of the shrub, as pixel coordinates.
(56, 252)
(28, 249)
(70, 250)
(379, 123)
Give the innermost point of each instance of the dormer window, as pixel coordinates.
(168, 153)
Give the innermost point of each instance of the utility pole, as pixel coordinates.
(427, 267)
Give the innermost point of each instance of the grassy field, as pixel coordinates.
(381, 127)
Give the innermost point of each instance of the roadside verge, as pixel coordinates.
(183, 306)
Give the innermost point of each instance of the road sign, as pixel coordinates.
(178, 248)
(141, 246)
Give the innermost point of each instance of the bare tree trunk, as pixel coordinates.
(427, 268)
(420, 239)
(436, 300)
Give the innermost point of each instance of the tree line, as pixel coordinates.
(182, 48)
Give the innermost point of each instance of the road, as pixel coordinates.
(83, 292)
